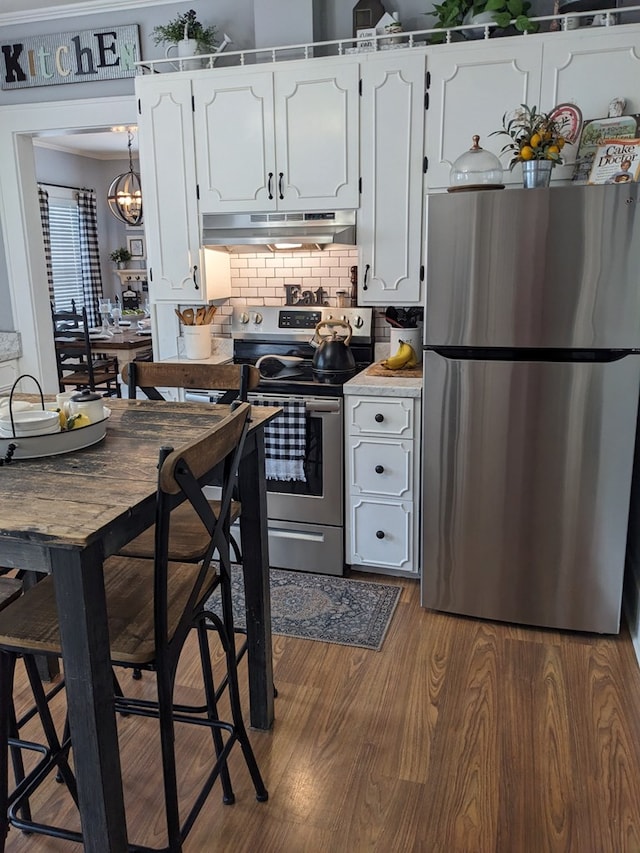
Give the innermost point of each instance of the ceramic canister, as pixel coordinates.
(88, 403)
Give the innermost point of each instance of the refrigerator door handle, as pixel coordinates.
(600, 356)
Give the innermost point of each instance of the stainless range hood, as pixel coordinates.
(250, 231)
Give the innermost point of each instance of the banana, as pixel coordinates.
(403, 357)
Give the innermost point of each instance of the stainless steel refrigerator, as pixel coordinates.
(531, 385)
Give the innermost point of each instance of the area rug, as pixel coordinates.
(322, 607)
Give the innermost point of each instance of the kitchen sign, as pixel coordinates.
(75, 57)
(296, 296)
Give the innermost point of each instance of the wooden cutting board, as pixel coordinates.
(407, 372)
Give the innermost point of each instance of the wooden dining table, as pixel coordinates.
(126, 345)
(66, 514)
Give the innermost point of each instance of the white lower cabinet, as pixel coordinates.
(383, 483)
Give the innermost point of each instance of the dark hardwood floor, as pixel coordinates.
(460, 736)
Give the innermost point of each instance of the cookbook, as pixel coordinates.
(616, 161)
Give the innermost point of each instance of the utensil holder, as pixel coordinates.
(196, 341)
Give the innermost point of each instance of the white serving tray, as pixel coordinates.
(37, 446)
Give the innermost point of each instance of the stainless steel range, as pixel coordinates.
(306, 516)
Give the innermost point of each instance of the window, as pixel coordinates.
(66, 264)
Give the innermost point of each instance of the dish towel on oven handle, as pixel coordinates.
(285, 441)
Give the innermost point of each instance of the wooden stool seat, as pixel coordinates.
(189, 537)
(32, 623)
(10, 589)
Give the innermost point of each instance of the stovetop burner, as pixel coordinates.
(278, 341)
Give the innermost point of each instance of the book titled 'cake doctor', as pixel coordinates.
(616, 161)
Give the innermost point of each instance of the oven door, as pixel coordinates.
(305, 520)
(306, 527)
(319, 500)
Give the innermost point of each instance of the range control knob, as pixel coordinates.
(257, 319)
(357, 321)
(244, 317)
(329, 317)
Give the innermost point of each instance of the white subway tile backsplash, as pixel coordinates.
(259, 278)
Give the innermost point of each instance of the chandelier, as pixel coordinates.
(125, 194)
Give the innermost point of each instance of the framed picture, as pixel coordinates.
(136, 247)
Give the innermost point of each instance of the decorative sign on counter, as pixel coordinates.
(296, 296)
(75, 57)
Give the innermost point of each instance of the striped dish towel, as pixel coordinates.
(285, 441)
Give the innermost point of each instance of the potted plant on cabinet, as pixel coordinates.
(120, 256)
(186, 34)
(536, 140)
(455, 13)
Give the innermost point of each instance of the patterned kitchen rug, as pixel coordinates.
(323, 607)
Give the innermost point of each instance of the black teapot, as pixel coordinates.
(333, 360)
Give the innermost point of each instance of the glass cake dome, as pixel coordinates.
(476, 169)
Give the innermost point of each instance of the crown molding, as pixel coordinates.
(74, 10)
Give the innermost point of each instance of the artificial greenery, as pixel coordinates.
(186, 26)
(121, 255)
(532, 136)
(452, 13)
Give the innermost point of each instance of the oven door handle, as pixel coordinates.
(322, 406)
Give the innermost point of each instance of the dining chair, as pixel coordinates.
(189, 539)
(152, 606)
(234, 381)
(77, 362)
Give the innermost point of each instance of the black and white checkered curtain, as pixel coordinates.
(43, 201)
(89, 253)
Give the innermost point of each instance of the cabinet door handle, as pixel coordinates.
(366, 276)
(269, 182)
(379, 534)
(195, 280)
(379, 469)
(280, 177)
(378, 418)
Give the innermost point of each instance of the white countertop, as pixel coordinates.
(382, 386)
(9, 346)
(221, 353)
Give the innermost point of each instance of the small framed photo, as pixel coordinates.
(136, 247)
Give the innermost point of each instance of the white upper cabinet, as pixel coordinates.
(472, 86)
(590, 71)
(392, 112)
(278, 140)
(175, 261)
(235, 141)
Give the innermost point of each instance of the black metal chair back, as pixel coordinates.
(234, 380)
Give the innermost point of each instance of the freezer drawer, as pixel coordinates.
(527, 475)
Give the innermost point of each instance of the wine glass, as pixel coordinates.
(104, 308)
(116, 314)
